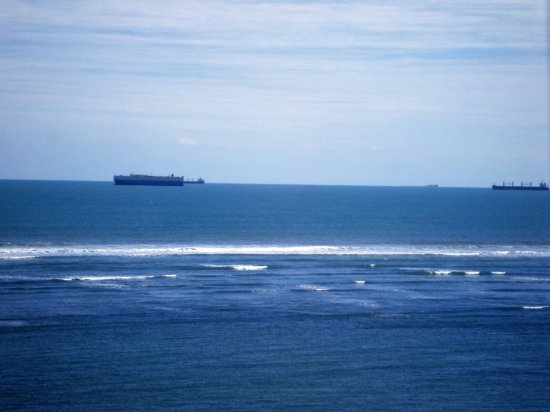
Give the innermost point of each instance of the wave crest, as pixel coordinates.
(29, 252)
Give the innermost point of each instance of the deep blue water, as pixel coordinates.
(261, 297)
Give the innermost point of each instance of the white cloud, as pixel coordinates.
(185, 141)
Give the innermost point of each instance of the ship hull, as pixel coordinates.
(530, 188)
(148, 180)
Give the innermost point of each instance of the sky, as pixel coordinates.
(404, 92)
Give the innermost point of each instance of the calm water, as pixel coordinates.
(259, 297)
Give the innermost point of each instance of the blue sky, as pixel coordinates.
(337, 92)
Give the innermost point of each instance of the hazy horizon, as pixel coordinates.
(277, 92)
(420, 185)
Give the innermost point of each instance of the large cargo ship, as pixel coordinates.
(147, 180)
(522, 186)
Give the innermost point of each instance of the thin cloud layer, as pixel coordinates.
(250, 78)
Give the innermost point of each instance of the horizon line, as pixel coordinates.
(427, 186)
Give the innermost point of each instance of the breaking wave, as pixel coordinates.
(103, 278)
(122, 277)
(29, 252)
(447, 272)
(89, 278)
(314, 288)
(237, 267)
(441, 272)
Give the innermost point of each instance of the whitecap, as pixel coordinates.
(236, 267)
(440, 272)
(17, 257)
(103, 278)
(531, 279)
(471, 272)
(26, 252)
(359, 282)
(17, 278)
(315, 288)
(498, 273)
(249, 267)
(534, 307)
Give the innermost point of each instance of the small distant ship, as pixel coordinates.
(199, 181)
(147, 180)
(522, 186)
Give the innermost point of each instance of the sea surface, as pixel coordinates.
(273, 297)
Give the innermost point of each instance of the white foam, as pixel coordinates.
(360, 282)
(121, 277)
(103, 278)
(249, 267)
(236, 267)
(534, 307)
(28, 252)
(441, 272)
(8, 257)
(530, 279)
(314, 288)
(445, 272)
(498, 273)
(26, 278)
(83, 278)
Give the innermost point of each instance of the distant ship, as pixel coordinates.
(522, 186)
(148, 180)
(199, 181)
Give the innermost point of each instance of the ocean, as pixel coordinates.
(273, 297)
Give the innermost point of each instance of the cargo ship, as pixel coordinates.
(522, 186)
(147, 180)
(199, 181)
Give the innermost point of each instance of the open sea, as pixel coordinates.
(273, 297)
